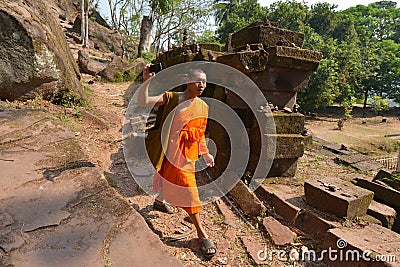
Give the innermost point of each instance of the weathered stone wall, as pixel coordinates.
(34, 56)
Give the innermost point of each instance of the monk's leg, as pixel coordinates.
(201, 233)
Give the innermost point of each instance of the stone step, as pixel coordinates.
(382, 192)
(287, 145)
(385, 214)
(337, 196)
(288, 123)
(246, 199)
(372, 245)
(288, 202)
(280, 234)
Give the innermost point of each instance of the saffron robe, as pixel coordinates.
(176, 177)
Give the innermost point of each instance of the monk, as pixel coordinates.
(175, 178)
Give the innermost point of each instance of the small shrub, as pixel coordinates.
(118, 77)
(148, 56)
(379, 104)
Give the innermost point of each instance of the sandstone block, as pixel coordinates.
(379, 245)
(382, 193)
(268, 36)
(283, 167)
(280, 234)
(385, 214)
(247, 200)
(292, 57)
(337, 196)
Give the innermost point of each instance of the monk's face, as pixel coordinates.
(197, 83)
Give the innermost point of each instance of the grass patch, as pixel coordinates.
(68, 122)
(368, 138)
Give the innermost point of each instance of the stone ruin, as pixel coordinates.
(274, 60)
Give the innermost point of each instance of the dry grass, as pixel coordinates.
(366, 135)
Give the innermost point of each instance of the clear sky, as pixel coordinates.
(342, 4)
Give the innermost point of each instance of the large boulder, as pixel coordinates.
(103, 38)
(34, 56)
(89, 66)
(115, 69)
(68, 9)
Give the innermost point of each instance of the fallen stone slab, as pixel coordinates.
(230, 218)
(247, 200)
(382, 192)
(281, 235)
(253, 247)
(290, 204)
(45, 219)
(280, 198)
(385, 214)
(224, 245)
(338, 149)
(368, 165)
(353, 158)
(387, 178)
(372, 245)
(337, 196)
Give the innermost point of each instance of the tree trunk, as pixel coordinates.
(86, 25)
(83, 22)
(145, 35)
(365, 98)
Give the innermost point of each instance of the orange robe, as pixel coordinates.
(176, 178)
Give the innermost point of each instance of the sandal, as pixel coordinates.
(207, 245)
(164, 207)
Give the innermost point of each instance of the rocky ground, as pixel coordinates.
(97, 128)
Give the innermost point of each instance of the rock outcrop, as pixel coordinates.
(100, 37)
(34, 56)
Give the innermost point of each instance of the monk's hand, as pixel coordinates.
(147, 74)
(209, 159)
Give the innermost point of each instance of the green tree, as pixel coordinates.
(245, 13)
(189, 15)
(323, 87)
(289, 14)
(322, 18)
(223, 9)
(386, 82)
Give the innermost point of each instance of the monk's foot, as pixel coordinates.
(163, 207)
(207, 248)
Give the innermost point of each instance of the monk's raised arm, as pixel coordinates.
(144, 99)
